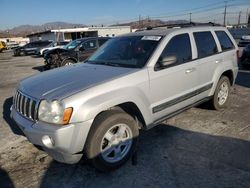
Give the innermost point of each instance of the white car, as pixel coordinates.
(54, 46)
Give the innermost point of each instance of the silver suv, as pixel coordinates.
(132, 82)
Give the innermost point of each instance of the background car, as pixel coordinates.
(76, 51)
(54, 46)
(2, 46)
(244, 41)
(12, 45)
(32, 48)
(245, 58)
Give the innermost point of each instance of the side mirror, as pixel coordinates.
(81, 48)
(168, 60)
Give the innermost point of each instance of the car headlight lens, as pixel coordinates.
(54, 112)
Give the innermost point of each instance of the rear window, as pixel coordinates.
(225, 41)
(205, 43)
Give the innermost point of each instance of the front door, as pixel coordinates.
(87, 48)
(173, 87)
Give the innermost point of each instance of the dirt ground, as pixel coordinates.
(198, 148)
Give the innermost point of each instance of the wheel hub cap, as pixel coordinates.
(223, 93)
(116, 143)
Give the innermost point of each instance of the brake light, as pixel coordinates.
(238, 55)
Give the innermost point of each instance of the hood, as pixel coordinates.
(62, 82)
(55, 51)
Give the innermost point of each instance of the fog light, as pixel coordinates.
(47, 141)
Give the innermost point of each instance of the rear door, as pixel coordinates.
(173, 87)
(209, 61)
(228, 50)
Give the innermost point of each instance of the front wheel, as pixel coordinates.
(221, 94)
(112, 140)
(67, 62)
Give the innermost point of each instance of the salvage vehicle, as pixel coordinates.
(32, 48)
(245, 58)
(55, 45)
(76, 51)
(2, 46)
(244, 41)
(132, 82)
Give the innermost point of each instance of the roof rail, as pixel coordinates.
(181, 25)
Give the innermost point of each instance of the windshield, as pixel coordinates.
(72, 45)
(126, 51)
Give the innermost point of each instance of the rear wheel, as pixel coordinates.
(221, 94)
(112, 140)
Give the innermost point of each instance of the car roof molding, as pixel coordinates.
(182, 25)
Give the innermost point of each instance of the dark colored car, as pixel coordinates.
(76, 51)
(32, 48)
(245, 58)
(243, 43)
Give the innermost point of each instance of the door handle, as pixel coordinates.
(190, 70)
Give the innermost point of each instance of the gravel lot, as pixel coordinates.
(198, 148)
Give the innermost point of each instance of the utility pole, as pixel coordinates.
(239, 19)
(247, 16)
(190, 17)
(139, 22)
(225, 14)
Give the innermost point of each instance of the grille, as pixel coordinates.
(25, 105)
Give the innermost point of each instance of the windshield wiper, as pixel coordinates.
(104, 63)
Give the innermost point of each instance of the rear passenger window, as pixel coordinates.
(205, 44)
(225, 41)
(180, 47)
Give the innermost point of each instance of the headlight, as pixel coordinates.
(54, 112)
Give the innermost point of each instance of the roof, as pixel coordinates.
(83, 29)
(166, 31)
(38, 33)
(88, 29)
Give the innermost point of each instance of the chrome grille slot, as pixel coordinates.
(25, 105)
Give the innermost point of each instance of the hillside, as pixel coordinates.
(24, 30)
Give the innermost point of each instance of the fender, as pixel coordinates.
(90, 108)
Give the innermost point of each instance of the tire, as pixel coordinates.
(67, 62)
(106, 147)
(22, 53)
(221, 94)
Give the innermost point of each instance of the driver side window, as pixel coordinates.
(178, 47)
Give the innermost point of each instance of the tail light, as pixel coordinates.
(238, 56)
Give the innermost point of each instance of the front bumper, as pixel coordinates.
(64, 143)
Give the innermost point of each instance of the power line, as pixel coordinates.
(195, 11)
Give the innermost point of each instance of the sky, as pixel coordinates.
(107, 12)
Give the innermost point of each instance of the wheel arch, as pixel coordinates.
(69, 58)
(230, 75)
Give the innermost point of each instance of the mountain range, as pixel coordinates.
(23, 30)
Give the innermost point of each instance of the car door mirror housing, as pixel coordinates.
(81, 48)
